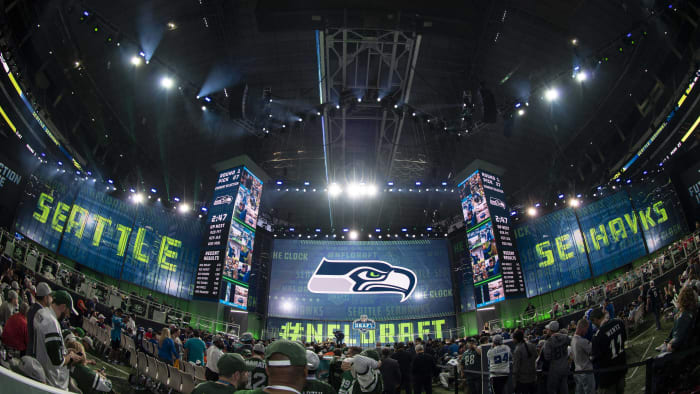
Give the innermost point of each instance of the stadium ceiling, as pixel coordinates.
(428, 59)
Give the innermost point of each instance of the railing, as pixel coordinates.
(51, 269)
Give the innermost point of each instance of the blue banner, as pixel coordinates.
(363, 331)
(659, 207)
(613, 232)
(552, 253)
(144, 245)
(328, 280)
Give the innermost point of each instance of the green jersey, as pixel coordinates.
(346, 383)
(213, 388)
(89, 381)
(315, 386)
(257, 379)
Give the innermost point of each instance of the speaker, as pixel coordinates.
(238, 96)
(489, 102)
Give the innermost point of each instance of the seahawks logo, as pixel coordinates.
(362, 277)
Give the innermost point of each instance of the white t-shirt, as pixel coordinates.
(499, 360)
(48, 332)
(213, 356)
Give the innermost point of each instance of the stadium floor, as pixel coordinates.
(640, 345)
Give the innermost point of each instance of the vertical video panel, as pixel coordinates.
(474, 206)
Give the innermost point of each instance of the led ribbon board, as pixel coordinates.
(495, 268)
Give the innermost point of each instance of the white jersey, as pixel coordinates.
(50, 348)
(499, 360)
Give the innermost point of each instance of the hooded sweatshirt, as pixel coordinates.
(556, 351)
(524, 364)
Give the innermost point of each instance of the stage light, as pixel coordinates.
(532, 211)
(353, 235)
(172, 26)
(380, 237)
(337, 106)
(418, 183)
(291, 229)
(306, 183)
(574, 202)
(354, 190)
(428, 229)
(132, 190)
(345, 230)
(521, 112)
(86, 13)
(390, 183)
(629, 181)
(158, 199)
(138, 197)
(551, 94)
(513, 213)
(318, 230)
(208, 100)
(371, 190)
(60, 163)
(135, 60)
(176, 199)
(396, 106)
(560, 196)
(413, 114)
(204, 108)
(579, 195)
(403, 230)
(574, 41)
(537, 205)
(204, 209)
(359, 99)
(278, 183)
(444, 183)
(287, 306)
(167, 82)
(581, 76)
(377, 230)
(153, 190)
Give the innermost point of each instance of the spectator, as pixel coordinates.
(405, 360)
(391, 373)
(258, 374)
(167, 352)
(286, 361)
(130, 325)
(116, 335)
(422, 371)
(471, 361)
(608, 349)
(654, 304)
(8, 307)
(499, 364)
(214, 352)
(682, 326)
(556, 352)
(524, 370)
(610, 308)
(87, 380)
(50, 348)
(14, 334)
(581, 347)
(194, 349)
(43, 298)
(233, 375)
(175, 335)
(365, 373)
(312, 384)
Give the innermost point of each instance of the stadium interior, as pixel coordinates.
(346, 197)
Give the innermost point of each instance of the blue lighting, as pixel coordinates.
(43, 154)
(561, 196)
(517, 105)
(645, 172)
(111, 182)
(86, 13)
(600, 187)
(60, 163)
(428, 229)
(418, 183)
(444, 183)
(629, 181)
(670, 6)
(132, 190)
(537, 205)
(629, 35)
(278, 183)
(345, 230)
(291, 229)
(318, 230)
(153, 190)
(513, 213)
(661, 164)
(142, 53)
(306, 183)
(390, 183)
(204, 209)
(617, 180)
(89, 172)
(207, 99)
(176, 199)
(403, 230)
(577, 68)
(578, 196)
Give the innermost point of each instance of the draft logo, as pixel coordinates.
(364, 324)
(362, 277)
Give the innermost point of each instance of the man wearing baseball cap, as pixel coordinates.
(286, 368)
(258, 375)
(556, 352)
(233, 374)
(313, 385)
(48, 340)
(43, 300)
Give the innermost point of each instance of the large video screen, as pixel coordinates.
(552, 252)
(463, 266)
(660, 212)
(143, 244)
(328, 280)
(612, 232)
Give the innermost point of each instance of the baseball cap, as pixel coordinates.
(552, 326)
(43, 289)
(15, 285)
(471, 340)
(87, 341)
(232, 362)
(295, 353)
(371, 353)
(61, 297)
(216, 338)
(259, 348)
(497, 339)
(312, 360)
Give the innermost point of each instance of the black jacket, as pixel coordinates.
(391, 373)
(405, 359)
(423, 366)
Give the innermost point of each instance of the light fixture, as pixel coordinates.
(138, 198)
(574, 41)
(551, 94)
(153, 190)
(184, 207)
(167, 82)
(334, 190)
(353, 235)
(204, 107)
(371, 190)
(581, 76)
(521, 112)
(574, 202)
(136, 61)
(532, 211)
